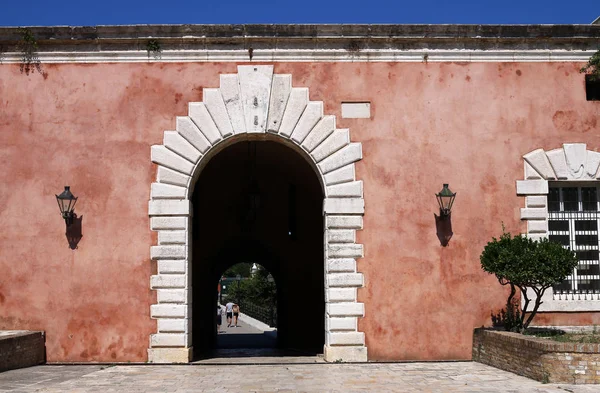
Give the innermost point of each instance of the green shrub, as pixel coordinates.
(527, 264)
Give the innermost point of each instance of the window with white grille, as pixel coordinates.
(573, 221)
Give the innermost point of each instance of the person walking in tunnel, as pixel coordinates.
(236, 313)
(219, 318)
(229, 312)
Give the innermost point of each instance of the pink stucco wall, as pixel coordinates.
(91, 127)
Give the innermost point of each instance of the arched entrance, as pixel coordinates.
(263, 203)
(254, 104)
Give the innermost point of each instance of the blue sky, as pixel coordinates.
(81, 12)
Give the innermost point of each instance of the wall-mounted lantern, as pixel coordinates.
(66, 204)
(445, 199)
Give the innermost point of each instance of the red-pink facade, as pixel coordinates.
(91, 126)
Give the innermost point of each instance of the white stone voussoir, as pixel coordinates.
(342, 175)
(178, 144)
(319, 133)
(169, 176)
(310, 117)
(293, 110)
(280, 92)
(254, 100)
(162, 156)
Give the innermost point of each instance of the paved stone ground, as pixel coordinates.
(375, 377)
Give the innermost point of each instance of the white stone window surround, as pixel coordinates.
(570, 164)
(255, 104)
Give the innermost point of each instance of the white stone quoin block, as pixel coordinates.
(537, 226)
(346, 190)
(340, 294)
(168, 252)
(172, 325)
(346, 338)
(171, 295)
(169, 207)
(341, 265)
(532, 187)
(347, 222)
(536, 201)
(176, 266)
(345, 280)
(341, 235)
(172, 237)
(344, 206)
(168, 281)
(350, 309)
(345, 250)
(343, 324)
(534, 213)
(168, 310)
(157, 223)
(169, 340)
(356, 110)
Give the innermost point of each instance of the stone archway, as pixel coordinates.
(250, 103)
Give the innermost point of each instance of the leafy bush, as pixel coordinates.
(527, 264)
(593, 66)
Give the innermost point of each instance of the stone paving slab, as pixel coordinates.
(377, 377)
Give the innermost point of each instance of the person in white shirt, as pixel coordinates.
(229, 312)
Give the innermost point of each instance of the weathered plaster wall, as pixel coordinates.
(91, 127)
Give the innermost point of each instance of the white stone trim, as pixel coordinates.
(572, 162)
(310, 55)
(255, 101)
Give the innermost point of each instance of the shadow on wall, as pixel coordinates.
(74, 233)
(443, 225)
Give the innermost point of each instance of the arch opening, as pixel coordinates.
(254, 105)
(260, 201)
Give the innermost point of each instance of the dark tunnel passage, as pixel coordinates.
(260, 201)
